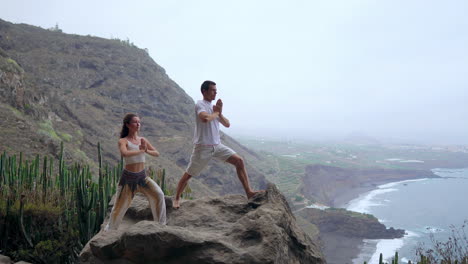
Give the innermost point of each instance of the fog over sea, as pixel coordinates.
(421, 207)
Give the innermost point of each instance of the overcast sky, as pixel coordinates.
(312, 69)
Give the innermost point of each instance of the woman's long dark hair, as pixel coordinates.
(127, 119)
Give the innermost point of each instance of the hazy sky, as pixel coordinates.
(317, 68)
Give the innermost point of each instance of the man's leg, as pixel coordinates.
(200, 157)
(238, 162)
(180, 188)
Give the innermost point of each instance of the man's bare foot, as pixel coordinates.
(176, 203)
(252, 193)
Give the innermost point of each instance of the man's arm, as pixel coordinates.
(205, 117)
(224, 121)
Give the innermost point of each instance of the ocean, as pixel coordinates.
(421, 207)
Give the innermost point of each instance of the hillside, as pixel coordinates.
(327, 184)
(60, 87)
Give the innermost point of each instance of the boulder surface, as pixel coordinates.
(227, 229)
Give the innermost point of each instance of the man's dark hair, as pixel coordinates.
(206, 85)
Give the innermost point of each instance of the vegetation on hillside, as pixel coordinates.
(49, 210)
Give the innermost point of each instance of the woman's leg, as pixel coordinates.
(122, 202)
(156, 200)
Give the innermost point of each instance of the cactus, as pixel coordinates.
(423, 260)
(44, 180)
(102, 205)
(163, 181)
(19, 172)
(4, 232)
(23, 230)
(71, 189)
(2, 170)
(61, 170)
(51, 170)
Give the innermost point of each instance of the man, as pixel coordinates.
(207, 142)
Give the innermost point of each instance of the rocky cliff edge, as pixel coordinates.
(227, 229)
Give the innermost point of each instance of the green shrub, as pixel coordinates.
(66, 137)
(47, 129)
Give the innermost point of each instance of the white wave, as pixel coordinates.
(318, 206)
(387, 247)
(362, 204)
(451, 173)
(445, 170)
(411, 234)
(392, 184)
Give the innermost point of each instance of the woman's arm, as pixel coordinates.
(149, 148)
(124, 150)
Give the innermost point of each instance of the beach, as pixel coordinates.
(411, 205)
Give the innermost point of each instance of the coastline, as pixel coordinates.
(343, 199)
(360, 185)
(361, 249)
(371, 248)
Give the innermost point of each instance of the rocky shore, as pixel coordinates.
(342, 231)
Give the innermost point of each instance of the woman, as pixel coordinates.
(133, 148)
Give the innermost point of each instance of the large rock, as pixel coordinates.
(5, 260)
(226, 229)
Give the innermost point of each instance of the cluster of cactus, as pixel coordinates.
(71, 190)
(423, 260)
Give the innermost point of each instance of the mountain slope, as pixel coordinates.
(76, 89)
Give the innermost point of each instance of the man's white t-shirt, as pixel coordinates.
(205, 133)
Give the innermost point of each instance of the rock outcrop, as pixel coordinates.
(343, 231)
(226, 229)
(349, 224)
(7, 260)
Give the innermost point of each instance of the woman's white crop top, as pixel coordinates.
(135, 158)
